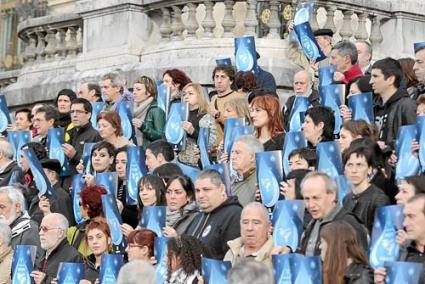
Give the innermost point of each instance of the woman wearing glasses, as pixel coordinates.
(140, 244)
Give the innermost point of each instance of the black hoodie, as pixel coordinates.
(217, 227)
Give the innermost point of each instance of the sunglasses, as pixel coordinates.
(45, 229)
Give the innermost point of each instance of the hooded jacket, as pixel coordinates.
(214, 229)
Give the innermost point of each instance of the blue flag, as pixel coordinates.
(383, 245)
(403, 272)
(224, 170)
(420, 122)
(306, 269)
(287, 220)
(282, 268)
(246, 54)
(86, 157)
(223, 61)
(215, 271)
(125, 111)
(109, 268)
(97, 108)
(293, 140)
(153, 218)
(23, 264)
(41, 181)
(269, 175)
(174, 132)
(164, 97)
(70, 273)
(299, 107)
(77, 185)
(191, 172)
(160, 251)
(361, 107)
(344, 187)
(329, 158)
(229, 125)
(326, 75)
(109, 180)
(4, 114)
(55, 140)
(18, 139)
(135, 170)
(333, 96)
(308, 42)
(113, 218)
(407, 163)
(203, 141)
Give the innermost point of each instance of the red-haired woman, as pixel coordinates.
(109, 123)
(140, 244)
(266, 117)
(343, 259)
(90, 207)
(175, 79)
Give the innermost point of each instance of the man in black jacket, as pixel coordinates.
(53, 240)
(219, 221)
(320, 194)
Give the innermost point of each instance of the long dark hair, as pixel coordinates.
(157, 184)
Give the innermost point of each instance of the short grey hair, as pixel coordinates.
(137, 272)
(6, 148)
(116, 79)
(5, 234)
(61, 221)
(213, 175)
(250, 271)
(14, 194)
(369, 49)
(347, 48)
(253, 144)
(257, 205)
(330, 184)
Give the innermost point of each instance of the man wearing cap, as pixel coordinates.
(419, 68)
(41, 206)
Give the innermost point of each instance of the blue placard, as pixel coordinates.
(403, 272)
(326, 75)
(77, 185)
(344, 187)
(420, 122)
(224, 170)
(361, 107)
(23, 264)
(17, 139)
(215, 271)
(125, 111)
(174, 132)
(163, 97)
(287, 220)
(333, 96)
(109, 268)
(4, 114)
(293, 140)
(97, 108)
(113, 218)
(282, 268)
(306, 269)
(407, 163)
(191, 172)
(55, 140)
(229, 125)
(246, 54)
(302, 15)
(160, 251)
(308, 42)
(329, 158)
(109, 180)
(383, 245)
(269, 175)
(153, 218)
(224, 61)
(42, 182)
(135, 170)
(203, 141)
(300, 105)
(239, 131)
(70, 273)
(86, 157)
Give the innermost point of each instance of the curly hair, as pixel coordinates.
(188, 250)
(91, 198)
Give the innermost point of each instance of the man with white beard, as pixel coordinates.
(13, 214)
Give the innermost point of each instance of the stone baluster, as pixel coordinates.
(192, 24)
(375, 32)
(71, 44)
(274, 22)
(361, 33)
(41, 45)
(61, 43)
(313, 21)
(176, 23)
(208, 24)
(80, 39)
(165, 27)
(346, 30)
(228, 20)
(30, 52)
(251, 20)
(50, 49)
(330, 14)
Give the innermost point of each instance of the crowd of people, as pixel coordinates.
(202, 218)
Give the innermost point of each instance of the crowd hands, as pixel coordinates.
(202, 219)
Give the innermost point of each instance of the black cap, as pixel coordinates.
(323, 32)
(51, 164)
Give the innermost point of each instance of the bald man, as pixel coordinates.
(302, 85)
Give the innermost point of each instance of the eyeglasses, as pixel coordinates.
(45, 229)
(135, 246)
(78, 111)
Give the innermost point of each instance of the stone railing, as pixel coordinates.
(7, 78)
(51, 38)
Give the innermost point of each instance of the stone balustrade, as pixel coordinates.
(51, 38)
(7, 78)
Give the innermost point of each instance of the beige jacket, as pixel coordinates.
(264, 254)
(6, 266)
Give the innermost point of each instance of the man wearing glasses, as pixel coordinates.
(53, 230)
